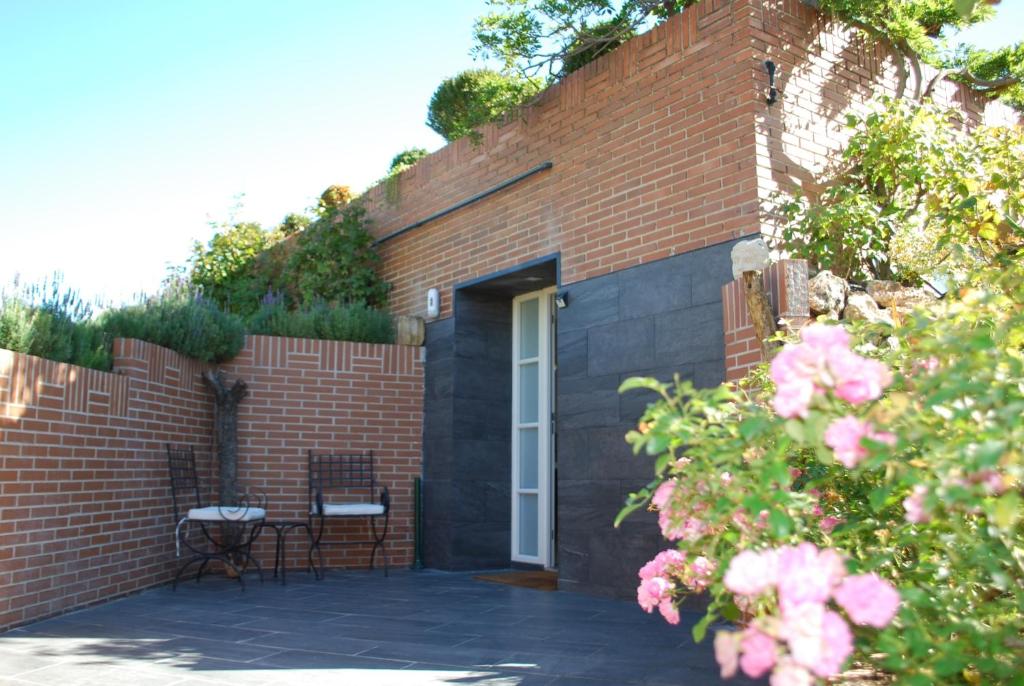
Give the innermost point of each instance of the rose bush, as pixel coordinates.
(857, 500)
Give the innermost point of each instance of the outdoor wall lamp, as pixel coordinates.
(773, 92)
(433, 303)
(562, 299)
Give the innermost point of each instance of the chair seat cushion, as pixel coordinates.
(352, 509)
(214, 513)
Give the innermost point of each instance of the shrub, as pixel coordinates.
(334, 260)
(355, 322)
(473, 98)
(226, 270)
(406, 159)
(189, 324)
(863, 499)
(53, 322)
(913, 195)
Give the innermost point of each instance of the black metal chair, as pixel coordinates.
(344, 486)
(233, 544)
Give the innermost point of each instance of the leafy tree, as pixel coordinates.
(406, 159)
(595, 41)
(292, 224)
(912, 195)
(224, 269)
(473, 98)
(333, 198)
(554, 37)
(334, 260)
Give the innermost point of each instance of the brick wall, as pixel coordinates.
(661, 147)
(785, 282)
(85, 508)
(326, 395)
(825, 71)
(653, 153)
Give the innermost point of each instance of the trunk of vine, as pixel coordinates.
(226, 401)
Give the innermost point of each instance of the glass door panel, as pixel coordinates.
(531, 428)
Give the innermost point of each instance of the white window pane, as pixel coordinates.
(527, 458)
(528, 525)
(528, 328)
(528, 396)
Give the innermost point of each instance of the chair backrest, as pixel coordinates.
(184, 480)
(345, 472)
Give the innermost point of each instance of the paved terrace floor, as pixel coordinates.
(357, 628)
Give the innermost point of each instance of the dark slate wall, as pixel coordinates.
(656, 320)
(467, 430)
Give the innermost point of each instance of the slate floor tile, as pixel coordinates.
(358, 629)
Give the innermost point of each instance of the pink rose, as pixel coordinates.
(914, 505)
(669, 611)
(727, 652)
(818, 639)
(827, 524)
(858, 379)
(844, 436)
(651, 592)
(792, 399)
(868, 600)
(700, 572)
(663, 493)
(662, 562)
(807, 575)
(789, 673)
(759, 653)
(751, 573)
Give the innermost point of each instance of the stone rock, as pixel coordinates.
(904, 298)
(749, 256)
(826, 294)
(409, 330)
(861, 306)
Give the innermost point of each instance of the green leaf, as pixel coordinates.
(753, 426)
(700, 629)
(626, 511)
(878, 497)
(964, 7)
(731, 612)
(795, 429)
(780, 523)
(645, 382)
(1007, 510)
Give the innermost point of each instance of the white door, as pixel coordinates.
(532, 464)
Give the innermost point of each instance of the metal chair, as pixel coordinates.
(344, 485)
(233, 544)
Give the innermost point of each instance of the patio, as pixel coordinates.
(357, 628)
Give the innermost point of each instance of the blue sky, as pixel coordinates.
(125, 127)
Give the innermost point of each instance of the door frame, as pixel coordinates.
(545, 428)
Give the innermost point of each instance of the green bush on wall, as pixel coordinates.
(51, 321)
(355, 322)
(192, 326)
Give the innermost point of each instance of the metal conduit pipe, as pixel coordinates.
(468, 201)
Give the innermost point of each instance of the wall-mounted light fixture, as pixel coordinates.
(562, 299)
(433, 303)
(773, 92)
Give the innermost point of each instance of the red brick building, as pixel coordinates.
(622, 190)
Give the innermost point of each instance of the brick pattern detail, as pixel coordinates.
(786, 284)
(653, 151)
(85, 508)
